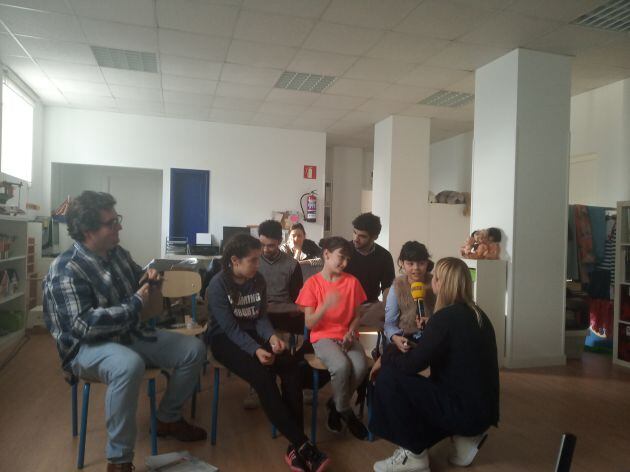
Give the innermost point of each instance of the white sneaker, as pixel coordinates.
(404, 461)
(464, 449)
(251, 401)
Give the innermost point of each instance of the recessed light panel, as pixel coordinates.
(304, 82)
(611, 16)
(447, 98)
(124, 59)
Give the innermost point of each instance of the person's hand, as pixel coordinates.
(332, 298)
(401, 343)
(264, 357)
(277, 344)
(152, 276)
(375, 370)
(346, 342)
(421, 322)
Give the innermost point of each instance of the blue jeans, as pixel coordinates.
(122, 368)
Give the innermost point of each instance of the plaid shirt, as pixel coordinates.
(88, 299)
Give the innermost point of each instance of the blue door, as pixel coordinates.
(189, 203)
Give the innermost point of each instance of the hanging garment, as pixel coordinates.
(573, 272)
(609, 250)
(584, 238)
(597, 216)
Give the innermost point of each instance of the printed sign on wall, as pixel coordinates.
(310, 172)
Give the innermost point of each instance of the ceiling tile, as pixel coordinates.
(259, 55)
(197, 46)
(119, 35)
(562, 10)
(407, 48)
(188, 98)
(28, 72)
(333, 139)
(613, 54)
(342, 39)
(131, 94)
(242, 74)
(136, 12)
(338, 102)
(51, 97)
(351, 127)
(443, 19)
(292, 97)
(41, 24)
(465, 85)
(274, 121)
(311, 123)
(356, 88)
(378, 70)
(571, 39)
(56, 6)
(81, 87)
(187, 110)
(66, 70)
(228, 103)
(252, 92)
(366, 118)
(301, 8)
(318, 62)
(406, 93)
(433, 77)
(276, 108)
(139, 106)
(231, 116)
(132, 78)
(464, 56)
(9, 47)
(273, 29)
(383, 14)
(188, 67)
(427, 111)
(187, 84)
(79, 53)
(510, 30)
(323, 113)
(593, 76)
(452, 125)
(91, 101)
(197, 16)
(380, 105)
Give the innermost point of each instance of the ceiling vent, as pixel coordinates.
(447, 98)
(304, 82)
(126, 60)
(611, 16)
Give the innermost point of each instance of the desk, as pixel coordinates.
(180, 262)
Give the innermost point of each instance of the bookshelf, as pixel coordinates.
(621, 323)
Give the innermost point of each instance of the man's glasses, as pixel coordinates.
(111, 224)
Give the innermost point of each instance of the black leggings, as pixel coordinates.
(284, 410)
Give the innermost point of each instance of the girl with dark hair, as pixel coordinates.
(331, 299)
(461, 397)
(299, 247)
(242, 339)
(405, 314)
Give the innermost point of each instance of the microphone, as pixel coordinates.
(417, 292)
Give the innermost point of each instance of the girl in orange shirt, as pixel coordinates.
(331, 299)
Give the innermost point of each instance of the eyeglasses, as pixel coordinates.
(116, 221)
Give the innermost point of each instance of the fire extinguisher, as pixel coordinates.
(311, 206)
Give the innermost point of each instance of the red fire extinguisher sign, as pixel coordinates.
(310, 172)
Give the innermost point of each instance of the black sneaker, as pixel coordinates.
(355, 426)
(334, 423)
(316, 460)
(294, 461)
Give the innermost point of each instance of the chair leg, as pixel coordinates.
(193, 308)
(314, 407)
(83, 433)
(215, 406)
(74, 409)
(151, 392)
(370, 398)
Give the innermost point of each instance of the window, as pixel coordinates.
(16, 153)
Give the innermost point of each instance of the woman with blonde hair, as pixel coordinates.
(460, 399)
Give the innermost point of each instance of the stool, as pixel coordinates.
(150, 375)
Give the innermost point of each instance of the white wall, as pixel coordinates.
(347, 179)
(253, 170)
(600, 124)
(451, 164)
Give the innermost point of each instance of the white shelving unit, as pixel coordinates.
(490, 294)
(621, 325)
(16, 259)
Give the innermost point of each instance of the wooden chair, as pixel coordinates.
(180, 284)
(150, 375)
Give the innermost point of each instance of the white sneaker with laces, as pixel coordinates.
(404, 461)
(251, 401)
(464, 449)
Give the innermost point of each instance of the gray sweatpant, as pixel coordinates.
(347, 369)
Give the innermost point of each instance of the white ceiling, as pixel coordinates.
(219, 59)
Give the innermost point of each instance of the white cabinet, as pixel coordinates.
(621, 324)
(490, 292)
(13, 286)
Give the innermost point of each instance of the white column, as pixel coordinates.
(519, 184)
(347, 180)
(401, 180)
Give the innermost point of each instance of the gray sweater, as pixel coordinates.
(283, 276)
